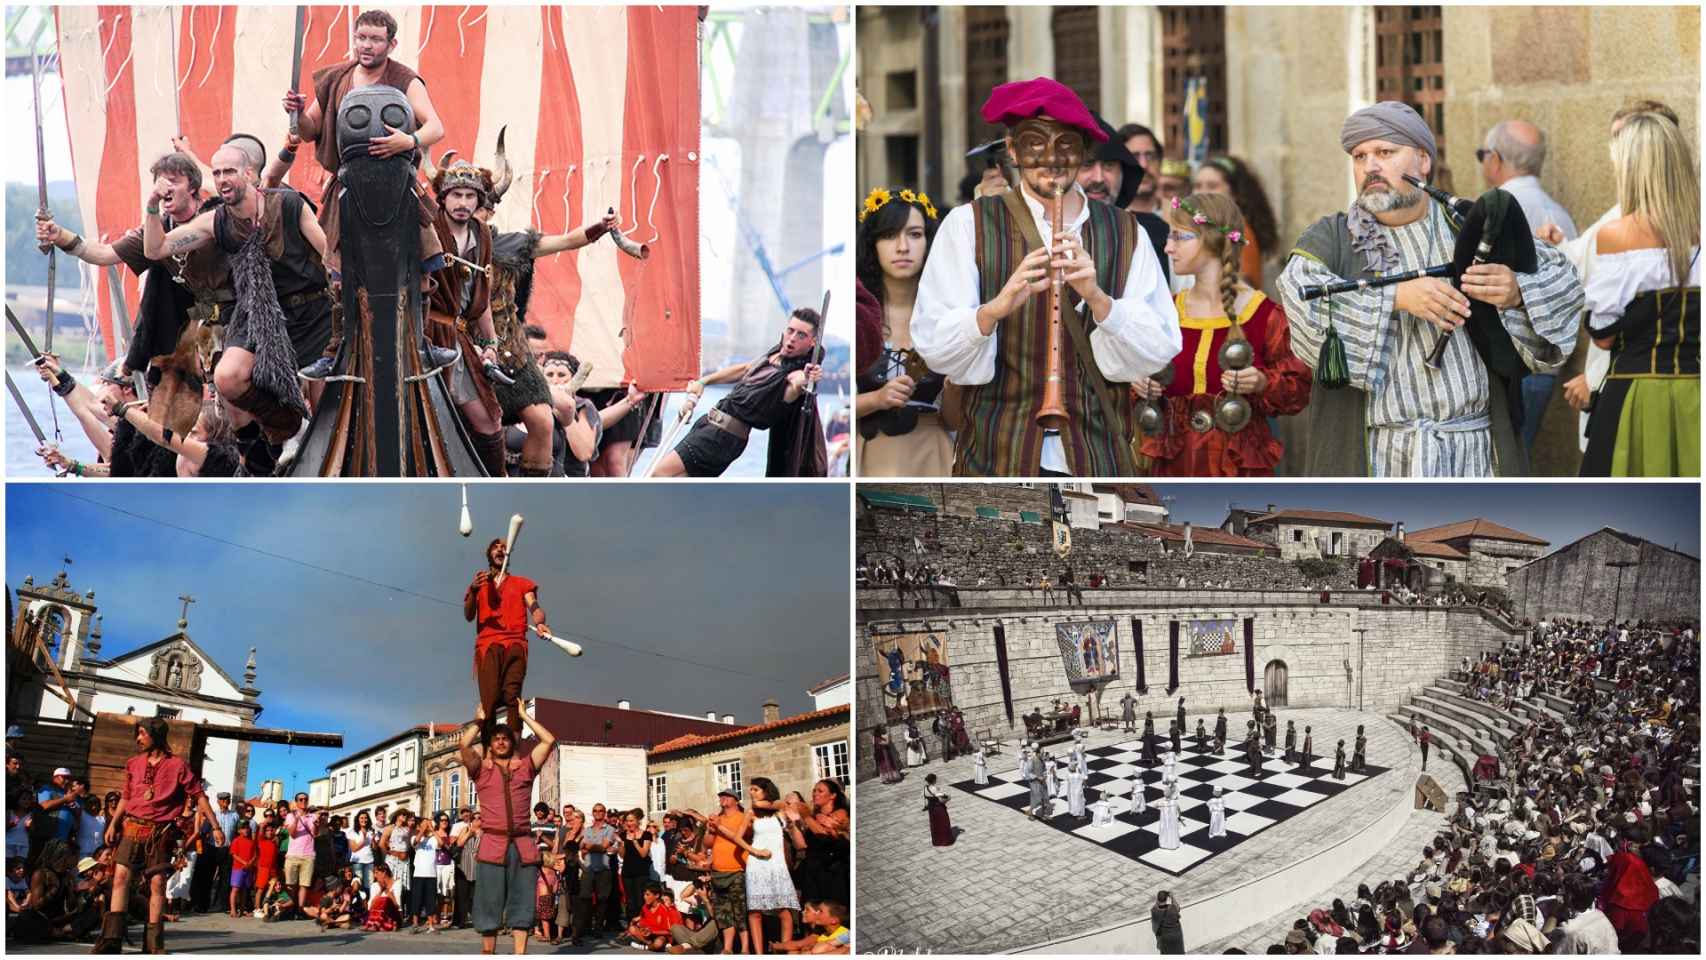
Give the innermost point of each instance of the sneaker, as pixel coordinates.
(319, 369)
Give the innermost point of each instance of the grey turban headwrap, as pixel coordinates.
(1389, 120)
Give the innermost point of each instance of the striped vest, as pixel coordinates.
(1001, 436)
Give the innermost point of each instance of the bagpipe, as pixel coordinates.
(1490, 229)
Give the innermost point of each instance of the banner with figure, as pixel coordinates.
(1211, 638)
(914, 668)
(1089, 651)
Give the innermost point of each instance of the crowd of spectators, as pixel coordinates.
(1588, 838)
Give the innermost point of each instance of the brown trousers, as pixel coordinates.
(500, 670)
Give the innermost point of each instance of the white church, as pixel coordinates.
(171, 677)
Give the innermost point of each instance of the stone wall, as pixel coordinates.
(1012, 552)
(1490, 560)
(1299, 540)
(1575, 582)
(1343, 654)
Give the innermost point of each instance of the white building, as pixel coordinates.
(387, 772)
(170, 677)
(835, 692)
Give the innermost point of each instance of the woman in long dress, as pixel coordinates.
(980, 767)
(1216, 815)
(1139, 800)
(769, 885)
(1169, 809)
(936, 802)
(1643, 304)
(915, 755)
(1075, 791)
(1051, 777)
(886, 765)
(1170, 766)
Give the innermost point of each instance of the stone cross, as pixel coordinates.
(184, 620)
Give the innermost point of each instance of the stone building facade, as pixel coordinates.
(793, 752)
(1493, 550)
(173, 677)
(1606, 575)
(1300, 534)
(1353, 652)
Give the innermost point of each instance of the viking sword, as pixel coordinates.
(24, 408)
(24, 335)
(42, 212)
(296, 67)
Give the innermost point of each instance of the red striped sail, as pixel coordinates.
(601, 104)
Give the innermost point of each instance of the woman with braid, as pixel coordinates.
(1206, 235)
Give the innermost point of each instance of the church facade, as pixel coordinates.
(173, 676)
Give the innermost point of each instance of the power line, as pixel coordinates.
(402, 590)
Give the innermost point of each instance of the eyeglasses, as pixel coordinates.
(1181, 236)
(1482, 154)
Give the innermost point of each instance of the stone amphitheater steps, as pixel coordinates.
(1533, 709)
(1464, 736)
(1496, 732)
(1504, 724)
(1442, 747)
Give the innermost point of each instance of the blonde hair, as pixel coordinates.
(1222, 211)
(1656, 179)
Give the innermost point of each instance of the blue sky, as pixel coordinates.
(1665, 513)
(687, 597)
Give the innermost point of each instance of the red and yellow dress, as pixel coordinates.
(1252, 451)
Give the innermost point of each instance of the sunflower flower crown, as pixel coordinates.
(1202, 220)
(878, 198)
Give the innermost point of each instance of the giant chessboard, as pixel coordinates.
(1282, 791)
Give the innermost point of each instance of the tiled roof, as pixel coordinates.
(1200, 535)
(832, 681)
(1477, 527)
(1318, 516)
(1427, 548)
(695, 740)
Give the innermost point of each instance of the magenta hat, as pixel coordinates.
(1023, 99)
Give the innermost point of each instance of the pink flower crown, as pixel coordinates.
(1201, 220)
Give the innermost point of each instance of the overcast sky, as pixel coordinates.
(687, 597)
(1665, 513)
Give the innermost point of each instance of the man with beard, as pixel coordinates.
(373, 42)
(981, 317)
(769, 393)
(1399, 416)
(157, 787)
(507, 861)
(529, 399)
(1111, 174)
(501, 605)
(282, 317)
(1146, 149)
(459, 316)
(172, 316)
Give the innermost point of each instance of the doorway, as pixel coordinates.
(1273, 684)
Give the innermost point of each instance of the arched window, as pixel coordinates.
(455, 790)
(437, 794)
